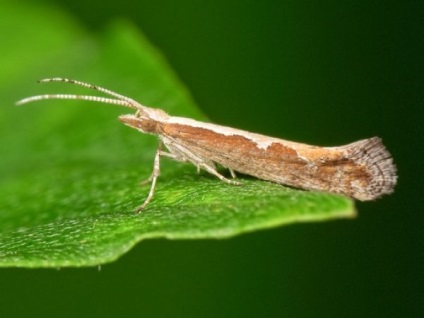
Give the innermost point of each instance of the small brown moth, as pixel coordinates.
(363, 170)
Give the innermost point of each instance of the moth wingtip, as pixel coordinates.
(378, 163)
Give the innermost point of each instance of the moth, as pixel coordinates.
(363, 170)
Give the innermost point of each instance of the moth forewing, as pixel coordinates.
(362, 170)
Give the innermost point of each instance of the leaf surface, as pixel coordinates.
(70, 172)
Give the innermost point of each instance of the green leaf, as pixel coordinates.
(70, 171)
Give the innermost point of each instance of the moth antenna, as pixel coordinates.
(99, 99)
(89, 86)
(120, 100)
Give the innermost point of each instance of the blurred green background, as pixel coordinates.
(321, 72)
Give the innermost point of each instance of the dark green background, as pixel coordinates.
(322, 72)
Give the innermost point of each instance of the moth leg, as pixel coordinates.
(217, 174)
(185, 155)
(161, 153)
(198, 169)
(233, 174)
(172, 156)
(146, 181)
(153, 178)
